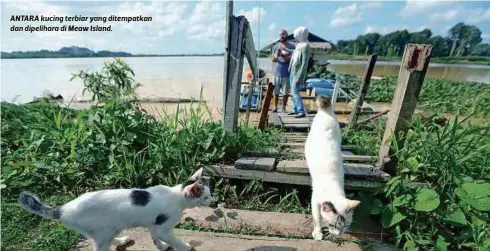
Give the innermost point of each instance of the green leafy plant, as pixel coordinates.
(440, 198)
(114, 81)
(50, 150)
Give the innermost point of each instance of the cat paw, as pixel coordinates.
(317, 235)
(123, 243)
(191, 248)
(162, 246)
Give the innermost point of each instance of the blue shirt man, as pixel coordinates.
(281, 55)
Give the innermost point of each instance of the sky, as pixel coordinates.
(199, 26)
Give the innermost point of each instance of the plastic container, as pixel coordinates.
(320, 83)
(323, 92)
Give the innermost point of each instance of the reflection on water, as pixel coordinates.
(173, 76)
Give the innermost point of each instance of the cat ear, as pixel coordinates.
(197, 175)
(194, 190)
(352, 204)
(328, 207)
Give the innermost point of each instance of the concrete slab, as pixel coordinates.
(256, 163)
(268, 223)
(206, 241)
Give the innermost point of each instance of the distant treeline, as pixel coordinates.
(462, 40)
(74, 51)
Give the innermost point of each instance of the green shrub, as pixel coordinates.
(450, 210)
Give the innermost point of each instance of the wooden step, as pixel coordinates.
(208, 241)
(227, 171)
(269, 223)
(351, 170)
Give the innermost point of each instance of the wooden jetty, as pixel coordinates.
(361, 172)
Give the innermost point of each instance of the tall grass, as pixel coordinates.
(450, 210)
(60, 153)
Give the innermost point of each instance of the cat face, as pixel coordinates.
(196, 191)
(338, 218)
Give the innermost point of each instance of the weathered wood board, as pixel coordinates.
(352, 170)
(256, 163)
(227, 171)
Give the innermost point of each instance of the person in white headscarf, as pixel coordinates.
(298, 68)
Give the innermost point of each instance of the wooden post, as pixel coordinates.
(233, 73)
(335, 92)
(413, 68)
(249, 101)
(363, 88)
(226, 73)
(265, 107)
(249, 51)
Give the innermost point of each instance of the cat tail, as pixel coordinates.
(33, 204)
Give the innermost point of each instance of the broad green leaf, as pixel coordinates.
(456, 218)
(486, 243)
(402, 200)
(391, 216)
(413, 163)
(377, 207)
(410, 245)
(475, 221)
(424, 242)
(441, 243)
(426, 200)
(477, 195)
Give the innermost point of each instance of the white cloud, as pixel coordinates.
(309, 21)
(37, 8)
(485, 35)
(478, 16)
(166, 16)
(206, 10)
(384, 29)
(272, 26)
(207, 32)
(371, 5)
(253, 15)
(413, 8)
(206, 21)
(345, 16)
(443, 16)
(420, 28)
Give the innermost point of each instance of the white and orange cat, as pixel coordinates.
(329, 206)
(101, 215)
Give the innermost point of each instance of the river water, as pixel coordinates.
(23, 79)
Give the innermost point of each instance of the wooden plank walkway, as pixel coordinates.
(227, 171)
(268, 223)
(209, 241)
(289, 122)
(361, 176)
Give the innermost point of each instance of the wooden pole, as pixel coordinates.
(366, 80)
(413, 68)
(265, 107)
(335, 92)
(226, 73)
(233, 74)
(249, 101)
